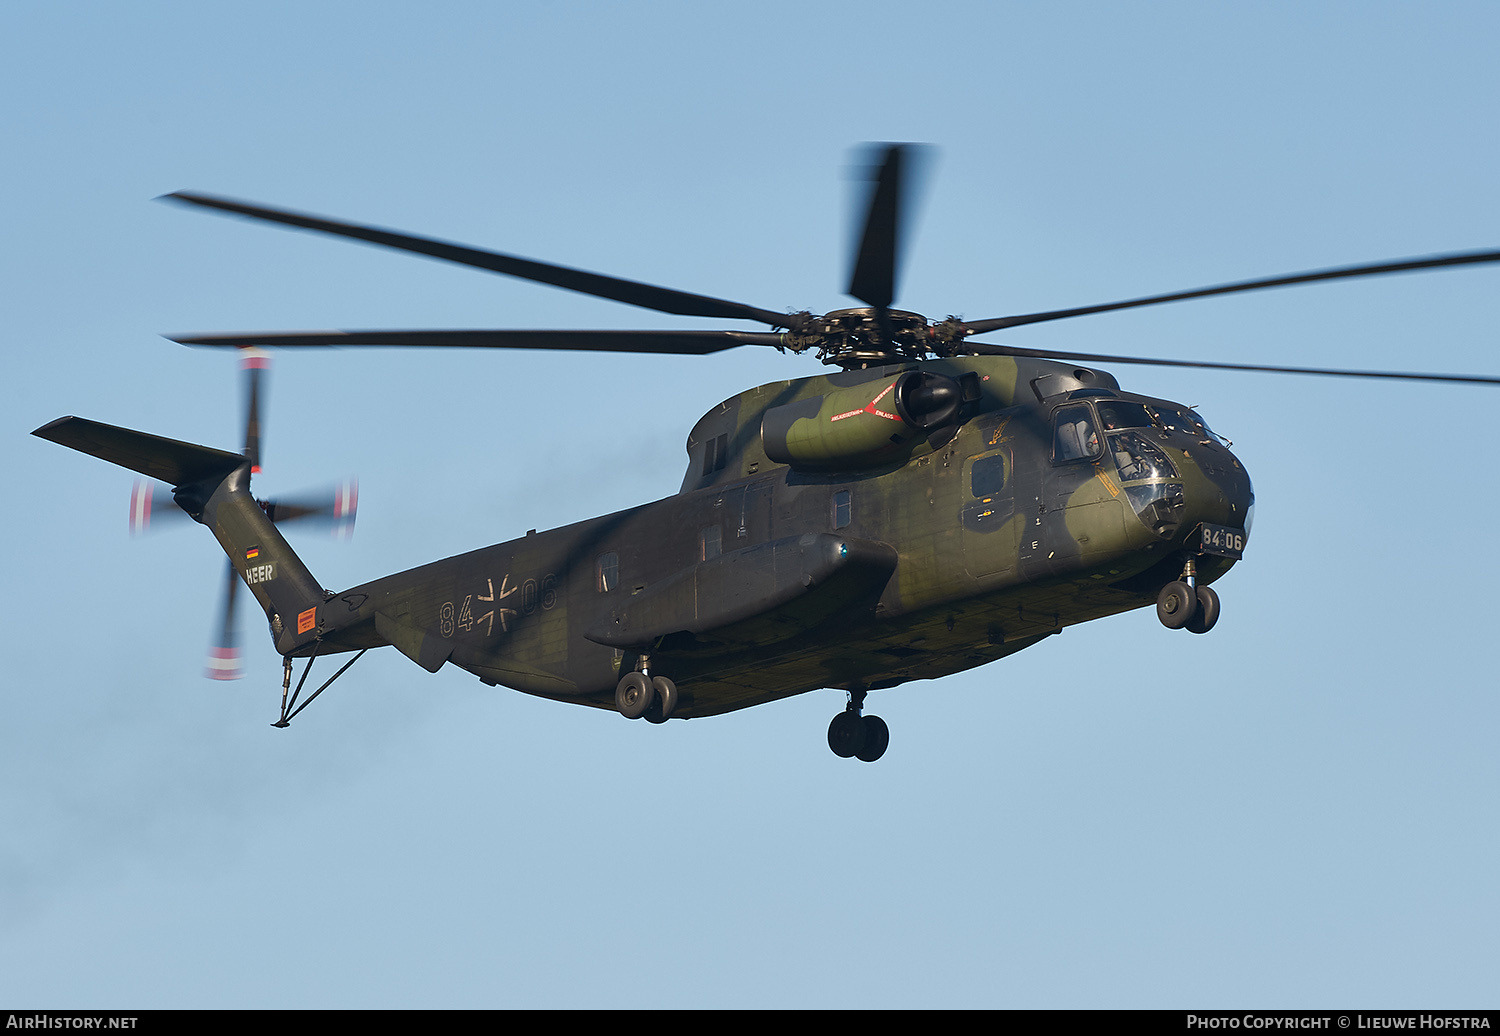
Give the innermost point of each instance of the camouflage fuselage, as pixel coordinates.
(868, 553)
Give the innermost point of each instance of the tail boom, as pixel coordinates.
(213, 487)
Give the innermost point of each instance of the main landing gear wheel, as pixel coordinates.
(855, 736)
(1176, 605)
(663, 700)
(1208, 611)
(634, 695)
(846, 734)
(877, 738)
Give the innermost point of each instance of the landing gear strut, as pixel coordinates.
(853, 735)
(1186, 605)
(639, 694)
(289, 707)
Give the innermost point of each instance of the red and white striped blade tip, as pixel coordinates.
(140, 506)
(252, 358)
(346, 507)
(223, 664)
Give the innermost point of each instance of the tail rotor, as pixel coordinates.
(333, 508)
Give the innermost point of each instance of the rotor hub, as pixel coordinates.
(864, 337)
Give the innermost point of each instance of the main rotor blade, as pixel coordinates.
(990, 349)
(976, 327)
(691, 343)
(635, 293)
(873, 281)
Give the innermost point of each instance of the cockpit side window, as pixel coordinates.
(1075, 436)
(1120, 413)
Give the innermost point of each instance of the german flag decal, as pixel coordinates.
(252, 553)
(305, 620)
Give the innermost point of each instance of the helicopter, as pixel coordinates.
(932, 504)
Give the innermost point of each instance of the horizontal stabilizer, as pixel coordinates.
(167, 460)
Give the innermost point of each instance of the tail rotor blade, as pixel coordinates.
(345, 508)
(224, 653)
(334, 508)
(255, 364)
(150, 504)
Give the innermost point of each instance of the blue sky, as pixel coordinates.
(1297, 810)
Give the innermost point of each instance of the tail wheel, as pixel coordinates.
(633, 695)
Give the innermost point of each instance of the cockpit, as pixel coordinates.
(1120, 433)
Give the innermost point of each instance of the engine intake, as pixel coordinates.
(861, 425)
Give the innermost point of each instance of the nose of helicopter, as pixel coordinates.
(1219, 495)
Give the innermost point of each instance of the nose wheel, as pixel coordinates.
(1208, 611)
(853, 735)
(1185, 605)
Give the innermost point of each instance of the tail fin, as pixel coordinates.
(213, 487)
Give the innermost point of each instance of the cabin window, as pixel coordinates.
(1074, 435)
(710, 542)
(987, 476)
(715, 453)
(842, 511)
(607, 575)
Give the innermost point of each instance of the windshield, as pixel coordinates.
(1138, 458)
(1181, 419)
